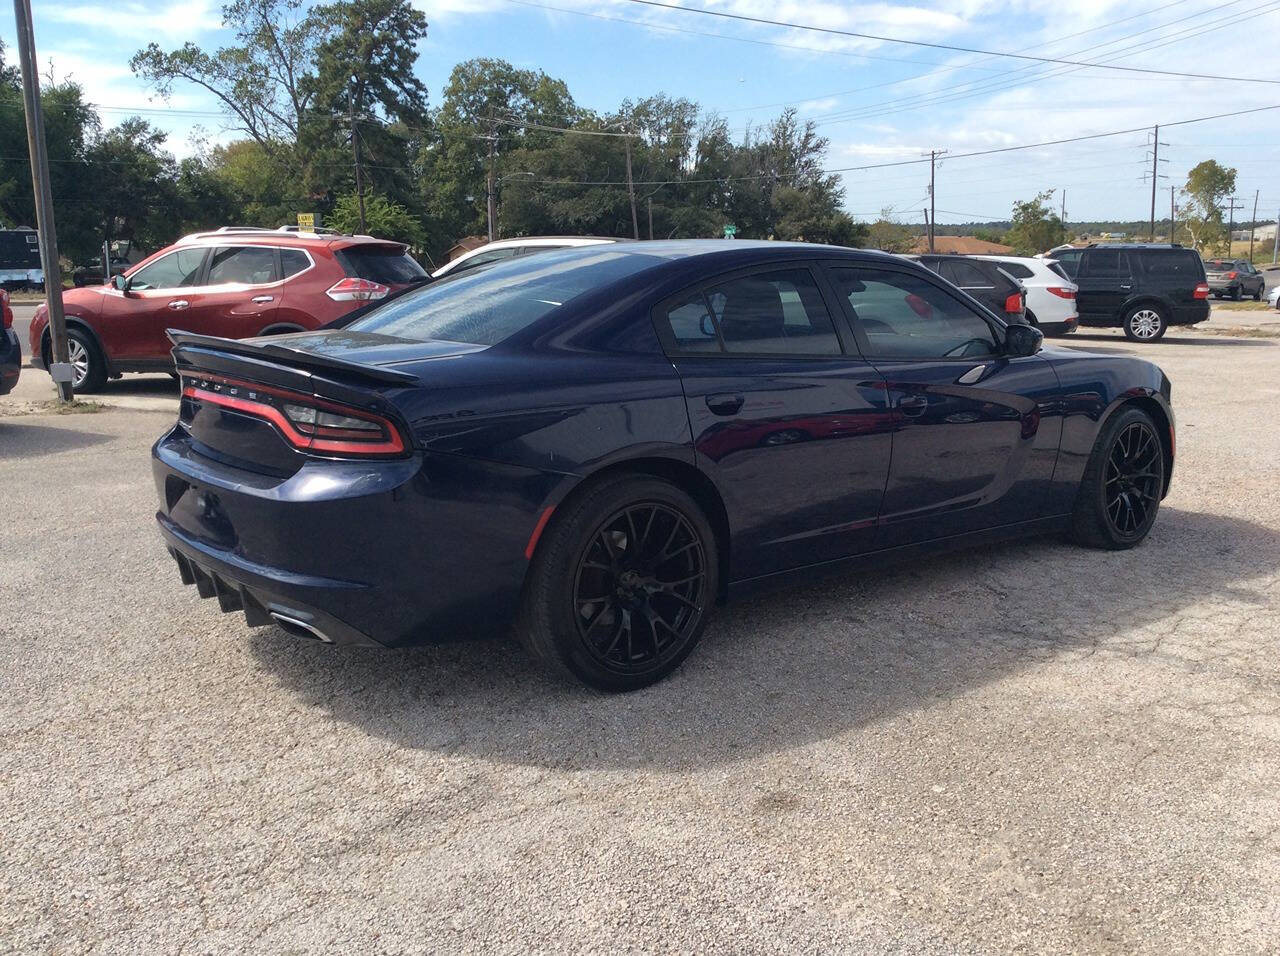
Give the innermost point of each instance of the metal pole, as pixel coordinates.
(1253, 225)
(1063, 218)
(1231, 222)
(650, 218)
(106, 262)
(60, 368)
(631, 191)
(1275, 243)
(1172, 211)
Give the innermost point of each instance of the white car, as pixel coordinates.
(1051, 296)
(509, 249)
(1273, 298)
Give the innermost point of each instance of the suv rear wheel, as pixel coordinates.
(1145, 323)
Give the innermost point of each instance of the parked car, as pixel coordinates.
(1273, 298)
(1235, 278)
(1051, 296)
(20, 266)
(985, 281)
(503, 249)
(578, 446)
(235, 283)
(1141, 287)
(10, 347)
(123, 255)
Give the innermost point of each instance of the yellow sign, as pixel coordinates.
(306, 220)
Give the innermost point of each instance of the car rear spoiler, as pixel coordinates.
(300, 358)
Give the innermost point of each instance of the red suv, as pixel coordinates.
(235, 283)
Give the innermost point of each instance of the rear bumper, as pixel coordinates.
(10, 361)
(1065, 327)
(426, 549)
(1198, 311)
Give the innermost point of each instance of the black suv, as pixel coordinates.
(983, 280)
(1143, 288)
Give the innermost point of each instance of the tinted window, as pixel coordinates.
(967, 275)
(1056, 268)
(1179, 263)
(1016, 269)
(1104, 263)
(905, 316)
(779, 312)
(493, 304)
(692, 326)
(245, 265)
(1069, 260)
(1219, 265)
(177, 269)
(293, 261)
(387, 265)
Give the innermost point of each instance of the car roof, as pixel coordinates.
(281, 237)
(1141, 246)
(543, 241)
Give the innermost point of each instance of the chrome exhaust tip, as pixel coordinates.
(300, 628)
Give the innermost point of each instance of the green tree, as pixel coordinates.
(1035, 226)
(383, 218)
(890, 236)
(1207, 185)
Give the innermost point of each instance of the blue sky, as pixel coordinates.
(877, 102)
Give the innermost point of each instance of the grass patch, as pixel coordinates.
(1243, 332)
(1244, 306)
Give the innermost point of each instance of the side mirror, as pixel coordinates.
(120, 283)
(1022, 340)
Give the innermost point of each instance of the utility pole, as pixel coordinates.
(631, 188)
(355, 149)
(1275, 243)
(928, 230)
(60, 369)
(1232, 206)
(1063, 217)
(1172, 211)
(650, 201)
(1253, 224)
(1155, 177)
(933, 211)
(491, 185)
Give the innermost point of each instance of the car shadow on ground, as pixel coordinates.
(1137, 348)
(798, 665)
(20, 438)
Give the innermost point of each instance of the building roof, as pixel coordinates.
(959, 245)
(464, 245)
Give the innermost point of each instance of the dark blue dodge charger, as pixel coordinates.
(593, 447)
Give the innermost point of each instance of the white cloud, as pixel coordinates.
(167, 22)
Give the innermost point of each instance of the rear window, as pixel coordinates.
(1178, 263)
(1057, 268)
(493, 304)
(385, 264)
(1219, 265)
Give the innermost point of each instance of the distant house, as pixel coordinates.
(464, 245)
(1267, 232)
(960, 245)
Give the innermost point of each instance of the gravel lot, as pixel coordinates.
(1026, 748)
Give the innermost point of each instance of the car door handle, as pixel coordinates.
(725, 403)
(263, 298)
(913, 406)
(179, 304)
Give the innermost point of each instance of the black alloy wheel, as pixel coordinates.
(1120, 494)
(641, 588)
(621, 584)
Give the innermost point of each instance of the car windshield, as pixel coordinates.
(495, 303)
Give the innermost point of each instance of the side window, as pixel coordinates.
(1105, 263)
(174, 271)
(293, 261)
(692, 326)
(242, 265)
(905, 316)
(1069, 260)
(1016, 269)
(778, 312)
(965, 274)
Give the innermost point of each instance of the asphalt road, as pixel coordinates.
(1029, 748)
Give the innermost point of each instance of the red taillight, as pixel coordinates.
(308, 423)
(1233, 275)
(1061, 293)
(1202, 291)
(1014, 303)
(361, 290)
(6, 313)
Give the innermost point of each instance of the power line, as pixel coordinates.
(724, 14)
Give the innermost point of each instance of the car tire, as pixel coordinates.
(1145, 323)
(1257, 296)
(86, 358)
(621, 585)
(1119, 495)
(1237, 293)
